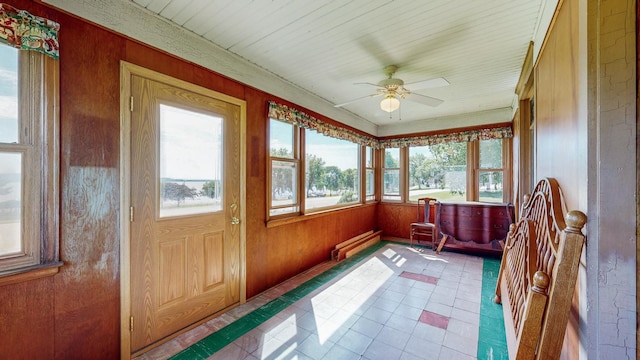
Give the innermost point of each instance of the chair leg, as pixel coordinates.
(441, 244)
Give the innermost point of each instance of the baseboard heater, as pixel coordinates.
(354, 245)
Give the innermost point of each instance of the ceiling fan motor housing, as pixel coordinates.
(391, 83)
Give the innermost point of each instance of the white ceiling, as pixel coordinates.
(322, 48)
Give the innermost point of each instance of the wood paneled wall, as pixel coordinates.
(395, 219)
(561, 129)
(75, 314)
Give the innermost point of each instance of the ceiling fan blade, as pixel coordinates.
(427, 84)
(423, 99)
(358, 99)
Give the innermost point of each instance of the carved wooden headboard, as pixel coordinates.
(538, 273)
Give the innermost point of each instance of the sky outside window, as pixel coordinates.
(8, 94)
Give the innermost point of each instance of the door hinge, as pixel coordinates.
(131, 214)
(131, 104)
(131, 324)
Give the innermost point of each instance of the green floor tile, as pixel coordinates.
(492, 343)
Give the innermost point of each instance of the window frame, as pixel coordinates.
(402, 178)
(479, 170)
(39, 132)
(297, 162)
(299, 150)
(473, 170)
(371, 152)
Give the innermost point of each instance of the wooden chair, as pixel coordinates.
(424, 226)
(538, 273)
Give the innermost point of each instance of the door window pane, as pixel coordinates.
(332, 175)
(10, 203)
(8, 94)
(191, 163)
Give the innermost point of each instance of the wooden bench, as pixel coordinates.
(538, 273)
(354, 245)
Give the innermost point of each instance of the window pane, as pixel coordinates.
(491, 186)
(8, 94)
(391, 175)
(10, 203)
(369, 157)
(190, 162)
(392, 158)
(332, 175)
(391, 184)
(422, 173)
(283, 183)
(491, 154)
(438, 171)
(281, 139)
(370, 183)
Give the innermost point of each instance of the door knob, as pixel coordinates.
(235, 221)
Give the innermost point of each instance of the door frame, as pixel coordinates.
(126, 71)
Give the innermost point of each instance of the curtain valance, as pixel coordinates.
(20, 29)
(461, 136)
(299, 118)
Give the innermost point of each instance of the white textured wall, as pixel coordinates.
(612, 183)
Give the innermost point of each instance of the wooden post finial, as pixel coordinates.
(540, 282)
(575, 220)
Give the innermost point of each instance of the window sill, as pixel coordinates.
(30, 273)
(314, 215)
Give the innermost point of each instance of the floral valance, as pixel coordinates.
(20, 29)
(461, 136)
(299, 118)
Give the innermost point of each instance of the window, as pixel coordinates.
(28, 164)
(438, 171)
(28, 146)
(452, 171)
(370, 183)
(332, 175)
(311, 172)
(491, 171)
(391, 175)
(283, 140)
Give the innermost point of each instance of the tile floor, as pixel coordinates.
(388, 302)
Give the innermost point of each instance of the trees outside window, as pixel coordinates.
(438, 171)
(332, 171)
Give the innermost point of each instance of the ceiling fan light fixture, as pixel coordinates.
(390, 103)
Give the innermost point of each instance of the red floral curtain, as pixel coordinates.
(20, 29)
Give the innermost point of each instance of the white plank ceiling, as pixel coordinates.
(326, 47)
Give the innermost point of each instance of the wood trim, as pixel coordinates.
(526, 73)
(31, 273)
(314, 215)
(125, 204)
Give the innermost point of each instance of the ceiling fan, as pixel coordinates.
(394, 89)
